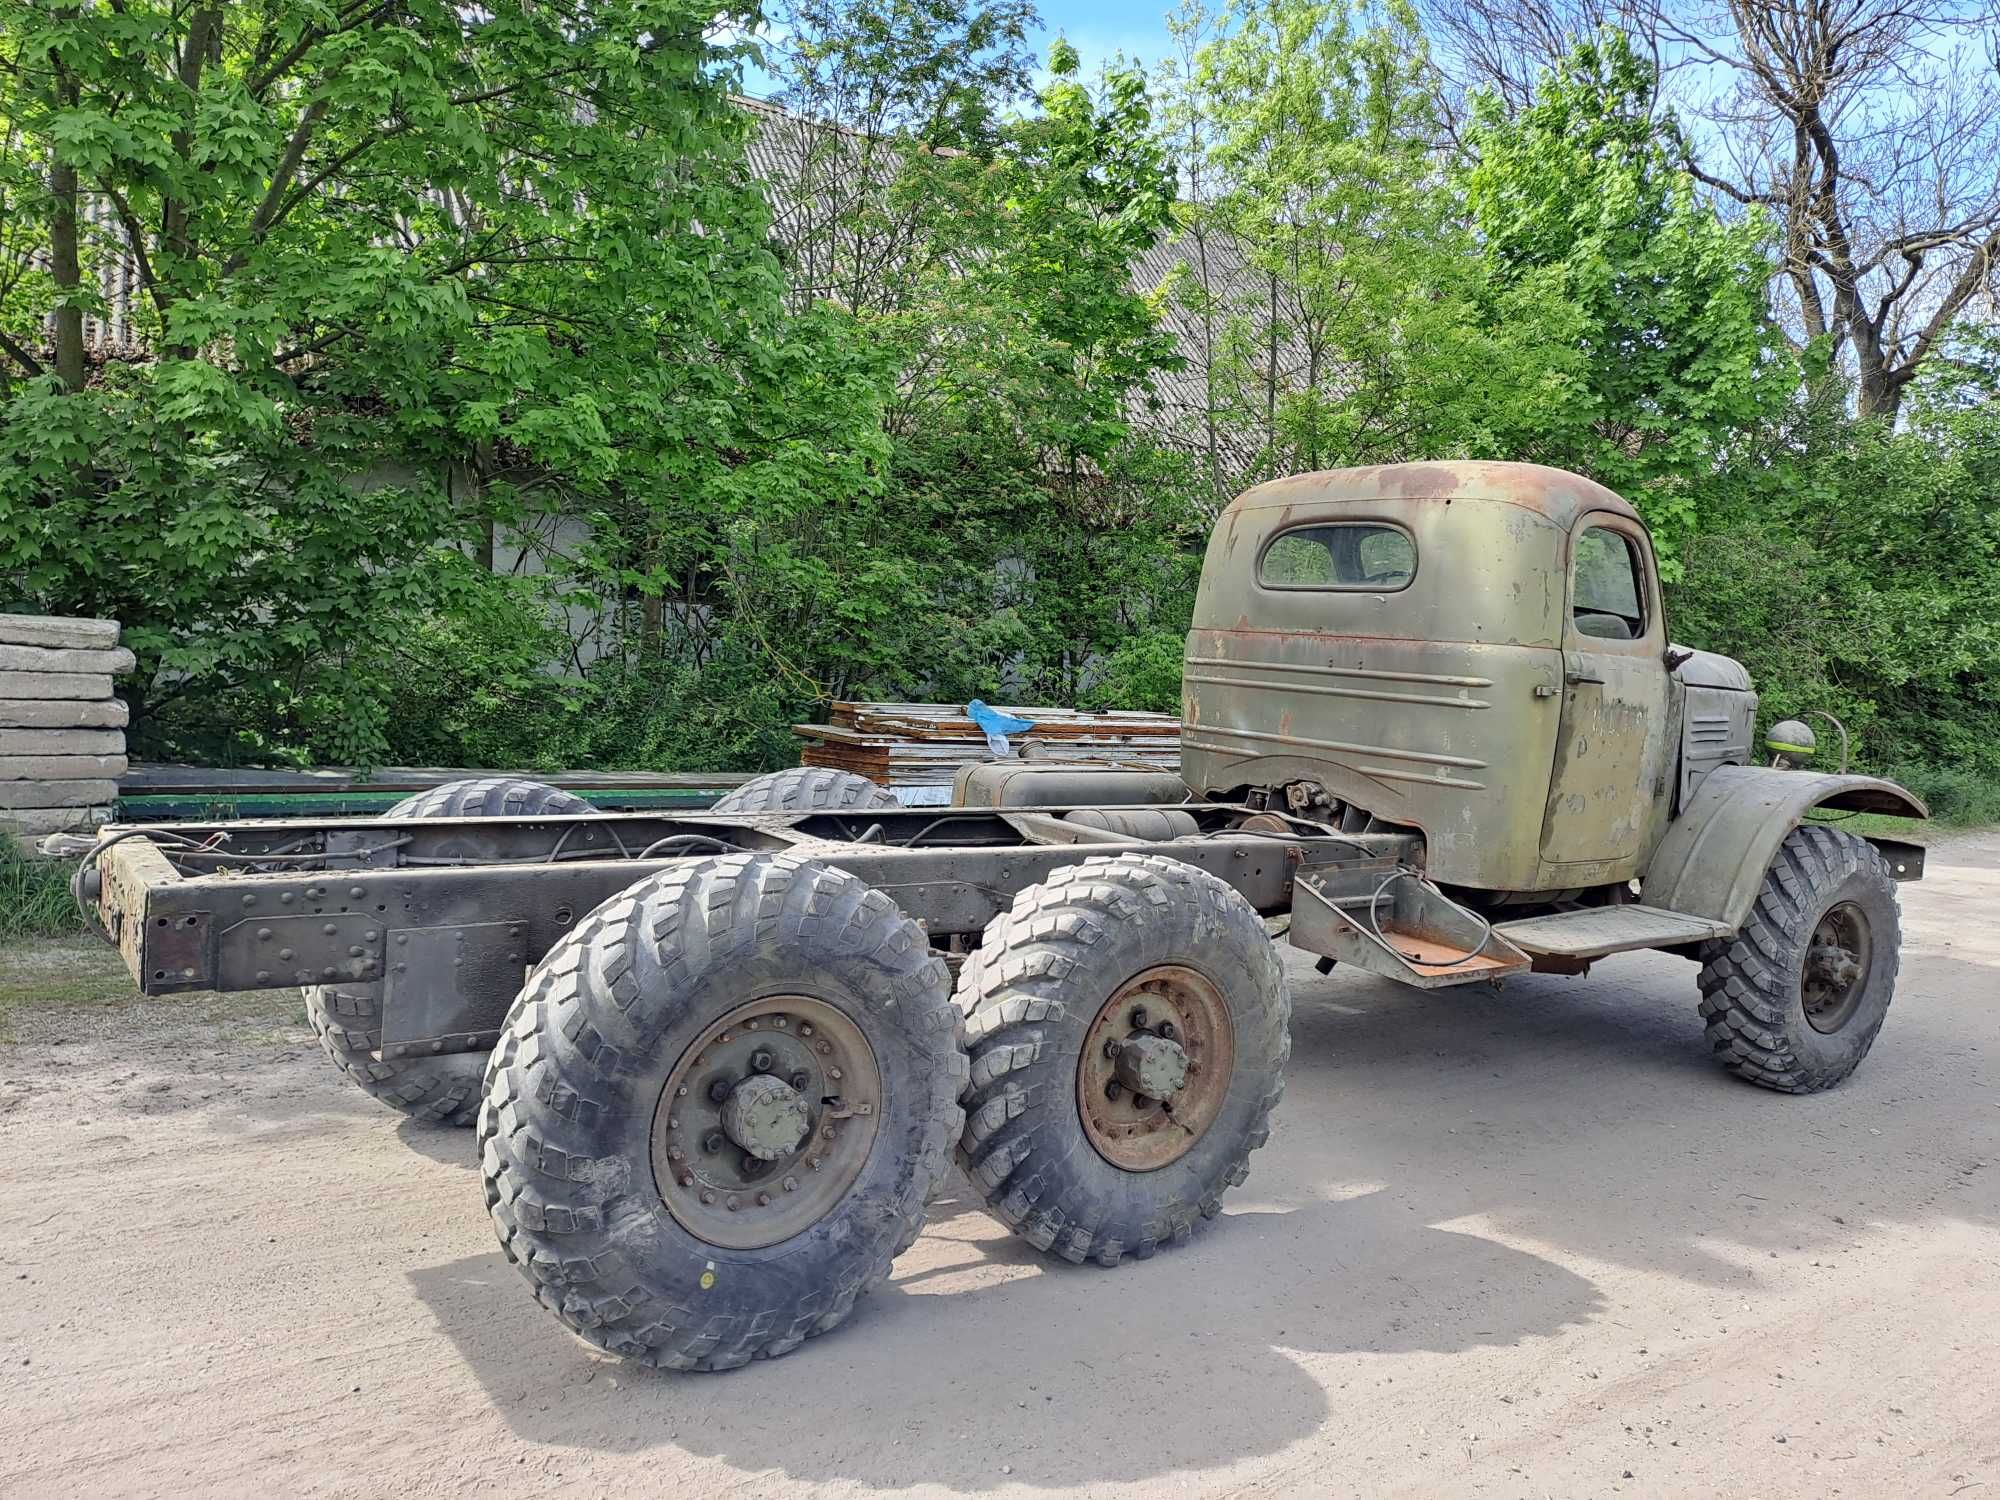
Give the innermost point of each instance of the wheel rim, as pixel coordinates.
(1167, 1030)
(1835, 976)
(766, 1121)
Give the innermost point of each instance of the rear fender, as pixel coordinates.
(1715, 853)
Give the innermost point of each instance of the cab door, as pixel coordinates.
(1608, 789)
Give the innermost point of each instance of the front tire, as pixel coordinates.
(444, 1089)
(719, 1107)
(1794, 1001)
(1129, 1024)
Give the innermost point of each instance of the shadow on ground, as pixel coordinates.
(1451, 1172)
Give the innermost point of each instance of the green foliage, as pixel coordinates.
(1579, 200)
(1854, 569)
(398, 268)
(491, 418)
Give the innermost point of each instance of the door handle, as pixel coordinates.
(1577, 667)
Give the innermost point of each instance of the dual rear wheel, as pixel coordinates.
(722, 1102)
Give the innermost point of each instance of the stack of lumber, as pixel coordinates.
(62, 734)
(916, 748)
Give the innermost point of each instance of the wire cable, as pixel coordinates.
(1412, 958)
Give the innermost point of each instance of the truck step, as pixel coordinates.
(1599, 930)
(1390, 921)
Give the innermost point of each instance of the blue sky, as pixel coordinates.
(1098, 31)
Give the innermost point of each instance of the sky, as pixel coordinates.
(1098, 29)
(1102, 29)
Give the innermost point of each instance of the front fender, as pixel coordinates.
(1715, 853)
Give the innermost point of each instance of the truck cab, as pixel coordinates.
(1477, 651)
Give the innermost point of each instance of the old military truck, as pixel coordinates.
(1434, 729)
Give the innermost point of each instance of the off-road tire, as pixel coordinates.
(441, 1090)
(1751, 984)
(806, 789)
(571, 1091)
(1030, 992)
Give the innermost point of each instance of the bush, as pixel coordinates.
(1955, 796)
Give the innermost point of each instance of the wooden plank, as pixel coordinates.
(51, 630)
(64, 713)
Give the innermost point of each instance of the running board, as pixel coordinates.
(1396, 925)
(1599, 930)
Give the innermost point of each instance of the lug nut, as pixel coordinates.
(1112, 1048)
(805, 1028)
(712, 1142)
(1139, 1016)
(791, 1184)
(731, 1205)
(687, 1179)
(760, 1062)
(763, 1200)
(1167, 1030)
(674, 1153)
(719, 1090)
(707, 1197)
(799, 1079)
(1113, 1089)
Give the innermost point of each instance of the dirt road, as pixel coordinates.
(1524, 1243)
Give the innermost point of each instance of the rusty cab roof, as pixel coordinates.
(1554, 494)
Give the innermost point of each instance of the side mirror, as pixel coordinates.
(1673, 656)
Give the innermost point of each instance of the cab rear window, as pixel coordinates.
(1340, 555)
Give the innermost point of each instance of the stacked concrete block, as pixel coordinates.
(62, 734)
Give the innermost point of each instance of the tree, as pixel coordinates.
(397, 264)
(1867, 129)
(1581, 193)
(1871, 128)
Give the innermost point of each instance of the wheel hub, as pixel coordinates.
(766, 1121)
(766, 1117)
(1155, 1068)
(1150, 1066)
(1835, 973)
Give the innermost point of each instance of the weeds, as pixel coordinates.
(34, 896)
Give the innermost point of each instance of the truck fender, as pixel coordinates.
(1714, 855)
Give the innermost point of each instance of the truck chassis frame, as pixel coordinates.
(449, 914)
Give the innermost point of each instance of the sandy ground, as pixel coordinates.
(1528, 1243)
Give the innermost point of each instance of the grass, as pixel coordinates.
(34, 896)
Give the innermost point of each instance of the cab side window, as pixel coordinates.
(1607, 595)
